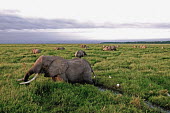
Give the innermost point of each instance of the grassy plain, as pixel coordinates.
(143, 75)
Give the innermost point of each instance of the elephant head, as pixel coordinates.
(80, 53)
(74, 71)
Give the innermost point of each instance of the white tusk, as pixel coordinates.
(30, 80)
(20, 79)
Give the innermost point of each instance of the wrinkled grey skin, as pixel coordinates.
(74, 71)
(36, 51)
(80, 53)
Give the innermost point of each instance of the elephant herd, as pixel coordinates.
(75, 70)
(142, 46)
(105, 48)
(79, 53)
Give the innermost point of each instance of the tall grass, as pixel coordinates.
(143, 75)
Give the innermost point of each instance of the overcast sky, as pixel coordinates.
(35, 15)
(97, 11)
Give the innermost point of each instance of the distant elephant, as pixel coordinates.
(59, 48)
(73, 71)
(83, 46)
(80, 53)
(109, 48)
(103, 46)
(135, 46)
(35, 51)
(106, 48)
(143, 46)
(113, 48)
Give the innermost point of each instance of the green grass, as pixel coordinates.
(143, 75)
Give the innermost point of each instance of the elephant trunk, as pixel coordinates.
(30, 72)
(34, 69)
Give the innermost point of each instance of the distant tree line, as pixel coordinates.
(138, 42)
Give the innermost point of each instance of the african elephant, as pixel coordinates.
(73, 71)
(36, 51)
(59, 48)
(83, 46)
(80, 53)
(143, 46)
(109, 48)
(135, 46)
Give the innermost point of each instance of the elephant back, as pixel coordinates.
(47, 64)
(47, 60)
(78, 66)
(87, 66)
(78, 70)
(58, 67)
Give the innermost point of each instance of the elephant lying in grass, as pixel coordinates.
(73, 71)
(80, 53)
(59, 48)
(109, 48)
(35, 51)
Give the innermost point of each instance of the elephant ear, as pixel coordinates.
(58, 67)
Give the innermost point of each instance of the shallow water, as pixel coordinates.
(162, 110)
(149, 104)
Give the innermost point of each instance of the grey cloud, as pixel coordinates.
(148, 25)
(13, 21)
(138, 25)
(161, 25)
(16, 22)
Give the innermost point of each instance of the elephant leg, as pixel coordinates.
(58, 78)
(87, 78)
(64, 77)
(54, 79)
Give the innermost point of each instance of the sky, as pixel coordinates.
(98, 11)
(71, 14)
